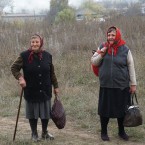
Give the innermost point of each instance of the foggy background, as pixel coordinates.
(37, 6)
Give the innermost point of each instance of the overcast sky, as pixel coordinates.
(35, 5)
(38, 5)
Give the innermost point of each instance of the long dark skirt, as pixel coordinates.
(113, 102)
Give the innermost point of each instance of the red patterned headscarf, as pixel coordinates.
(30, 58)
(117, 43)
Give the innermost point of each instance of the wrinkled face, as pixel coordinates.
(35, 44)
(111, 37)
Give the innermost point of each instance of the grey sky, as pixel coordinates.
(35, 5)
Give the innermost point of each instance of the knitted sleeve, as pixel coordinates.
(53, 77)
(96, 59)
(131, 69)
(16, 67)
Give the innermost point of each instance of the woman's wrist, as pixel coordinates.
(20, 78)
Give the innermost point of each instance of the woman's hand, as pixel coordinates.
(56, 91)
(102, 51)
(22, 82)
(132, 89)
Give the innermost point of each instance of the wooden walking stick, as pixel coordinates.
(18, 114)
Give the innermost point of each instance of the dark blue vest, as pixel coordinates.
(38, 77)
(113, 71)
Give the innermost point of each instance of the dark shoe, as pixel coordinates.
(124, 136)
(46, 135)
(105, 137)
(35, 137)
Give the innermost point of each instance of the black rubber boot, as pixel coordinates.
(124, 136)
(35, 137)
(33, 125)
(104, 137)
(121, 131)
(45, 135)
(104, 122)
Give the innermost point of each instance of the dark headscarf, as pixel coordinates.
(39, 53)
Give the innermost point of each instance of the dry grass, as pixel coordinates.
(71, 47)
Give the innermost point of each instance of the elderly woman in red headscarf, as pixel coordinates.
(117, 80)
(37, 80)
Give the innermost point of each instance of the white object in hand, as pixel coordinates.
(103, 49)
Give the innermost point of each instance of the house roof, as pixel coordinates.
(85, 11)
(22, 15)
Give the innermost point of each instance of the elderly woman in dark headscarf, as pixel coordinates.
(37, 80)
(117, 80)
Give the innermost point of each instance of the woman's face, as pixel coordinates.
(111, 37)
(35, 43)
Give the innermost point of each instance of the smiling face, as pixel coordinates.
(35, 43)
(111, 36)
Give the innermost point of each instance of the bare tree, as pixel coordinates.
(4, 3)
(134, 9)
(141, 1)
(55, 7)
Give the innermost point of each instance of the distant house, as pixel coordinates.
(143, 9)
(11, 17)
(82, 14)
